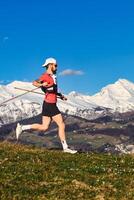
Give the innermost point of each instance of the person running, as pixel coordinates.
(50, 111)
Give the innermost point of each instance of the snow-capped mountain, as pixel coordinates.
(117, 97)
(18, 108)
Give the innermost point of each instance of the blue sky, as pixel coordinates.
(93, 40)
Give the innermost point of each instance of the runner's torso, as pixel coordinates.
(51, 88)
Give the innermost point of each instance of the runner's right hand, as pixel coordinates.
(44, 84)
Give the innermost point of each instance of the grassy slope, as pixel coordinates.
(35, 173)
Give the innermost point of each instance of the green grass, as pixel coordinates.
(32, 173)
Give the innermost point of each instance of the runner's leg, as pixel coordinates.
(59, 121)
(44, 126)
(41, 127)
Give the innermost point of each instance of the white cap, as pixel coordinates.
(49, 61)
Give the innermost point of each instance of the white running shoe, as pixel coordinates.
(70, 151)
(18, 131)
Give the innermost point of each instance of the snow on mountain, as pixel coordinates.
(19, 108)
(13, 91)
(81, 105)
(117, 97)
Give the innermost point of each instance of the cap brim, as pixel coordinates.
(44, 65)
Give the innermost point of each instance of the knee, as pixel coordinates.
(44, 128)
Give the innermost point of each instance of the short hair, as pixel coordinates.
(47, 66)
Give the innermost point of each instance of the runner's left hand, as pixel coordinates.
(63, 98)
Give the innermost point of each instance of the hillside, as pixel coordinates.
(106, 134)
(35, 173)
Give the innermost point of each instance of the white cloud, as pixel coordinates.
(68, 72)
(5, 38)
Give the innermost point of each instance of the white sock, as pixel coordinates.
(26, 127)
(64, 144)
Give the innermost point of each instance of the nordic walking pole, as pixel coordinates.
(18, 96)
(28, 90)
(32, 91)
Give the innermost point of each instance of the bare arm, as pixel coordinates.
(38, 83)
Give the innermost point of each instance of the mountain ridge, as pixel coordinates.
(116, 97)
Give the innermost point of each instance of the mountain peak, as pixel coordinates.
(73, 93)
(123, 81)
(20, 84)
